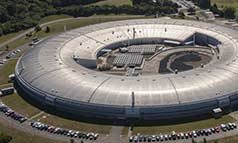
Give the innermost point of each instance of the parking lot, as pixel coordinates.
(64, 132)
(204, 133)
(8, 112)
(12, 114)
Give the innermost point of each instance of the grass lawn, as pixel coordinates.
(6, 70)
(9, 36)
(70, 24)
(76, 23)
(22, 137)
(232, 3)
(54, 17)
(114, 2)
(74, 125)
(19, 105)
(183, 127)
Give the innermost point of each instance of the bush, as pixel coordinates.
(229, 12)
(5, 138)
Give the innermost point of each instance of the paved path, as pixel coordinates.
(37, 115)
(2, 45)
(130, 132)
(114, 135)
(29, 30)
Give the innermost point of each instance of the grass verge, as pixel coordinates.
(7, 69)
(19, 105)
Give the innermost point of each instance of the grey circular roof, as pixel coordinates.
(49, 67)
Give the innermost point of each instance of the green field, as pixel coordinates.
(226, 3)
(19, 105)
(114, 2)
(6, 70)
(8, 36)
(183, 127)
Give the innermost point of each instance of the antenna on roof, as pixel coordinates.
(128, 41)
(133, 99)
(134, 33)
(194, 39)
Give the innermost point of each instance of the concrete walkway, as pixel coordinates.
(37, 115)
(114, 135)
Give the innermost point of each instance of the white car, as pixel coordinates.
(96, 136)
(194, 134)
(2, 62)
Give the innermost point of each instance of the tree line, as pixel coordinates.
(226, 12)
(18, 15)
(144, 9)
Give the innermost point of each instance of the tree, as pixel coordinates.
(37, 28)
(7, 48)
(29, 34)
(5, 138)
(47, 29)
(204, 140)
(181, 15)
(3, 14)
(216, 10)
(18, 15)
(205, 4)
(229, 12)
(1, 32)
(193, 141)
(71, 140)
(235, 14)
